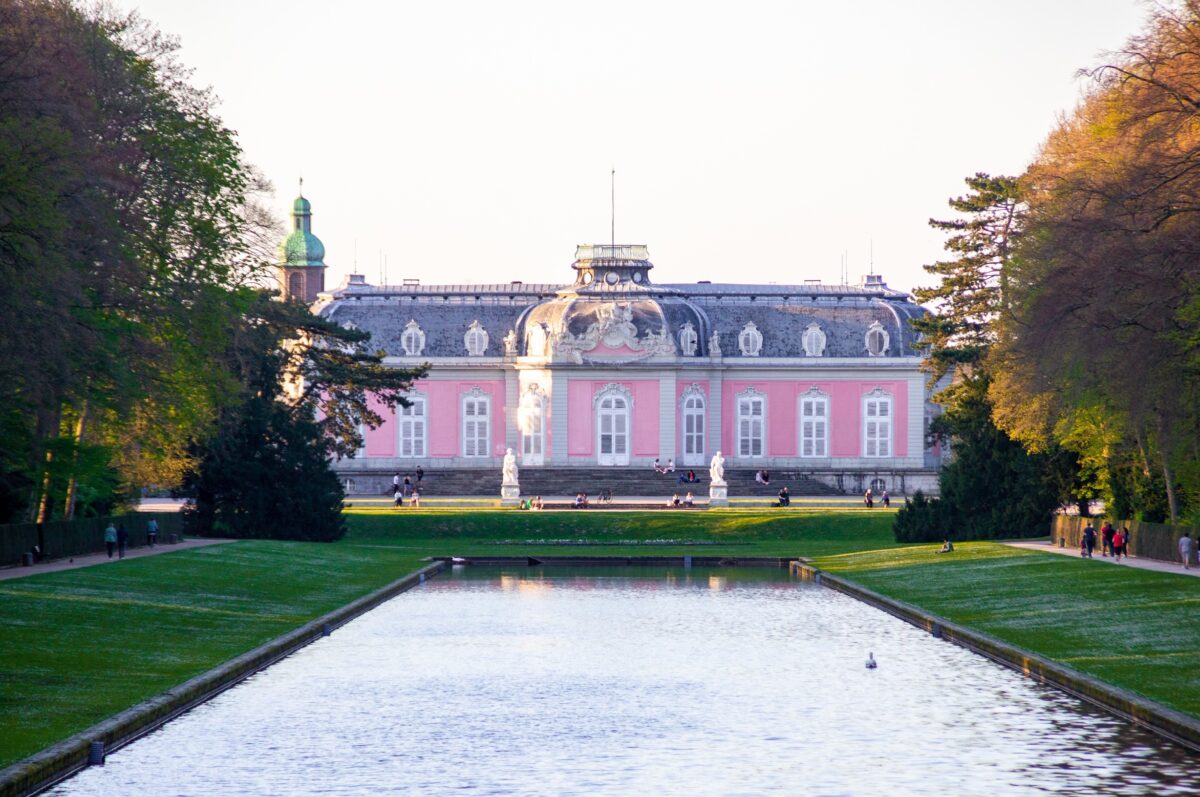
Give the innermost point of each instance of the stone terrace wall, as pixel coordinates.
(1146, 540)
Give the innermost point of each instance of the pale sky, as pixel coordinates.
(753, 141)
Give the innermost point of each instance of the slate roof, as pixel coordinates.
(780, 312)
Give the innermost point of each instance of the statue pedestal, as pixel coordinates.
(510, 494)
(718, 495)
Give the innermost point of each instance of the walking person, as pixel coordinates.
(122, 540)
(152, 532)
(1089, 541)
(868, 499)
(420, 474)
(407, 485)
(1118, 544)
(110, 538)
(396, 482)
(885, 499)
(1106, 536)
(1185, 551)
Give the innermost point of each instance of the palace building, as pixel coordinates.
(611, 370)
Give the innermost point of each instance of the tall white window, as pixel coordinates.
(693, 426)
(476, 409)
(413, 427)
(412, 339)
(751, 423)
(476, 339)
(814, 424)
(877, 424)
(531, 418)
(613, 405)
(688, 339)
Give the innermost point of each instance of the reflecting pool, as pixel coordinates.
(638, 681)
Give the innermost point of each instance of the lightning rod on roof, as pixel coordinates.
(612, 190)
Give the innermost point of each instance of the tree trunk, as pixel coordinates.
(1085, 506)
(80, 428)
(43, 456)
(1172, 501)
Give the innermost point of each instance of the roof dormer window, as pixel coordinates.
(750, 340)
(412, 339)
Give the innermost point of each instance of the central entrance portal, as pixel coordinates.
(612, 430)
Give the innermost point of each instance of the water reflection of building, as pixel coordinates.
(613, 370)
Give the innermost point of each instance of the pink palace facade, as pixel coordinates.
(611, 370)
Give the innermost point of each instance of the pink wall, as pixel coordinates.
(645, 418)
(581, 419)
(845, 415)
(444, 419)
(381, 441)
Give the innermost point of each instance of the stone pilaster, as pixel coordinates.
(558, 419)
(668, 412)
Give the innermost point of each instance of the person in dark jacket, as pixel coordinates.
(1089, 541)
(122, 540)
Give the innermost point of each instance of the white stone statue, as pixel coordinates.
(509, 470)
(714, 344)
(716, 470)
(510, 342)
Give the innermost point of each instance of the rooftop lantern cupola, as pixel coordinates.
(602, 267)
(301, 264)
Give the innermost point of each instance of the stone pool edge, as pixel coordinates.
(1155, 717)
(58, 762)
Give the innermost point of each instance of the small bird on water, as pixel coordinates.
(871, 663)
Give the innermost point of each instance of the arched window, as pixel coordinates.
(814, 424)
(476, 339)
(751, 423)
(413, 428)
(877, 424)
(295, 285)
(531, 421)
(813, 340)
(613, 404)
(692, 405)
(476, 420)
(750, 340)
(877, 340)
(688, 339)
(412, 339)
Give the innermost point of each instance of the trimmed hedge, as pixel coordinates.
(62, 538)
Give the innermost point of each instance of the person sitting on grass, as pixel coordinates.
(947, 546)
(416, 497)
(674, 502)
(398, 497)
(785, 499)
(537, 503)
(688, 500)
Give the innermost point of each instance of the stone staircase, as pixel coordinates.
(631, 482)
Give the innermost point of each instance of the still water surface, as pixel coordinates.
(640, 681)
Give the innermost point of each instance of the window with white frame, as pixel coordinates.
(877, 424)
(693, 425)
(751, 423)
(877, 340)
(750, 340)
(412, 339)
(476, 339)
(688, 339)
(476, 416)
(813, 340)
(814, 424)
(531, 420)
(413, 427)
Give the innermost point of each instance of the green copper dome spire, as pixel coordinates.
(301, 247)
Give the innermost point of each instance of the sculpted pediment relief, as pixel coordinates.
(612, 330)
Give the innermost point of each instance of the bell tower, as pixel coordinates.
(301, 264)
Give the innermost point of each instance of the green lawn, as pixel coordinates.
(81, 645)
(1137, 629)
